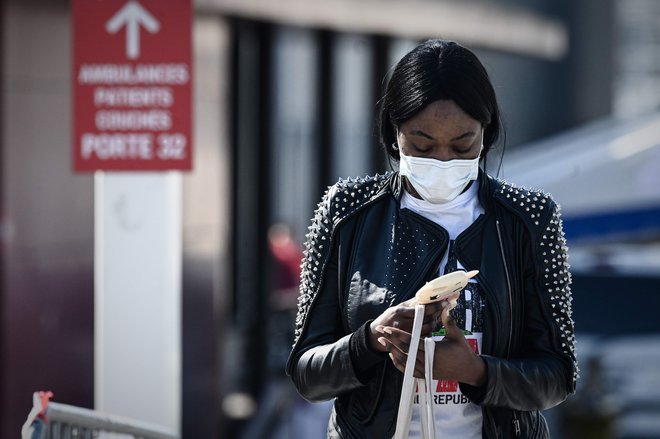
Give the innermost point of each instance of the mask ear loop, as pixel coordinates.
(389, 161)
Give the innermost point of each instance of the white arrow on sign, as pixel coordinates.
(132, 14)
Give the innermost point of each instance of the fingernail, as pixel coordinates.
(388, 330)
(379, 328)
(382, 341)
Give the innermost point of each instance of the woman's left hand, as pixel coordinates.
(454, 359)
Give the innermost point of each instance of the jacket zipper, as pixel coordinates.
(508, 283)
(515, 421)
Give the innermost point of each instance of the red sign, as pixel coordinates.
(132, 81)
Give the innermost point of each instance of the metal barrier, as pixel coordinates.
(51, 420)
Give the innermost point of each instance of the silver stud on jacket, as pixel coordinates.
(338, 202)
(554, 257)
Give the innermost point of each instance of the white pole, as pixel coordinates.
(137, 300)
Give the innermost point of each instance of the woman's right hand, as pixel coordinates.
(401, 316)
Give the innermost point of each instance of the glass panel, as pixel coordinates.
(352, 121)
(294, 157)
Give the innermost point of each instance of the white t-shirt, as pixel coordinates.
(455, 416)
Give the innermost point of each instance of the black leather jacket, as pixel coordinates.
(364, 254)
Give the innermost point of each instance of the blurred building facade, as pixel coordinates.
(285, 103)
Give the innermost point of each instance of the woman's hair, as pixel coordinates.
(432, 71)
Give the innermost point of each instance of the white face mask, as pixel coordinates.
(437, 181)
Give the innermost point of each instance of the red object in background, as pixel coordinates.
(286, 255)
(132, 82)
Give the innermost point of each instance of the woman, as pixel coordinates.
(508, 348)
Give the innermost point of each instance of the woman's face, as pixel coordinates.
(441, 131)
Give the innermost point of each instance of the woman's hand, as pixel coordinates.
(401, 317)
(453, 360)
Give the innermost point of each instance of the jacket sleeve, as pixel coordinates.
(326, 360)
(544, 370)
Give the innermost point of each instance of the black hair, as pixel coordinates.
(435, 70)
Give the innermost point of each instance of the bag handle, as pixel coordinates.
(423, 385)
